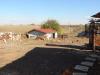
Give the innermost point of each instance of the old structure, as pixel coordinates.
(4, 36)
(43, 33)
(94, 31)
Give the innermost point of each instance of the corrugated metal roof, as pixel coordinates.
(97, 15)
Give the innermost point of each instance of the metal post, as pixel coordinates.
(92, 35)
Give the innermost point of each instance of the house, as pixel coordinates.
(46, 33)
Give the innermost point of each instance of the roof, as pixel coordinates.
(97, 15)
(97, 20)
(44, 30)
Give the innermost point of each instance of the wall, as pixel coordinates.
(55, 35)
(49, 35)
(35, 34)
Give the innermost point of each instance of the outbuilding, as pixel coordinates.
(94, 31)
(46, 33)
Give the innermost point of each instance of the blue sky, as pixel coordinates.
(38, 11)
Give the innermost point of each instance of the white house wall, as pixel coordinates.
(56, 35)
(34, 34)
(49, 35)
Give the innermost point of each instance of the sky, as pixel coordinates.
(39, 11)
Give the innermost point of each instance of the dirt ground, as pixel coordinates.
(47, 57)
(14, 50)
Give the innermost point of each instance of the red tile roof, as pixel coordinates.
(46, 30)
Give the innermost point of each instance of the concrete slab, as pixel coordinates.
(95, 56)
(87, 63)
(76, 73)
(90, 59)
(81, 68)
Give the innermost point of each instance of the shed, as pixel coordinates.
(47, 33)
(94, 31)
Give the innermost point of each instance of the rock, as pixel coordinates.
(87, 63)
(76, 73)
(95, 56)
(81, 68)
(90, 59)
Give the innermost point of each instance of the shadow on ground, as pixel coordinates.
(74, 47)
(43, 61)
(70, 46)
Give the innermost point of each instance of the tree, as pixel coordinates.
(61, 31)
(52, 24)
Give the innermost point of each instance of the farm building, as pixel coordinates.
(44, 33)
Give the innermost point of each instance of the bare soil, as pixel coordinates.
(39, 57)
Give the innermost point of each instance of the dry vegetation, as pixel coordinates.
(18, 29)
(13, 50)
(73, 30)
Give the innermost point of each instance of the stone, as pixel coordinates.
(81, 68)
(95, 56)
(87, 63)
(78, 73)
(90, 59)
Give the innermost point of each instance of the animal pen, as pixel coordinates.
(94, 32)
